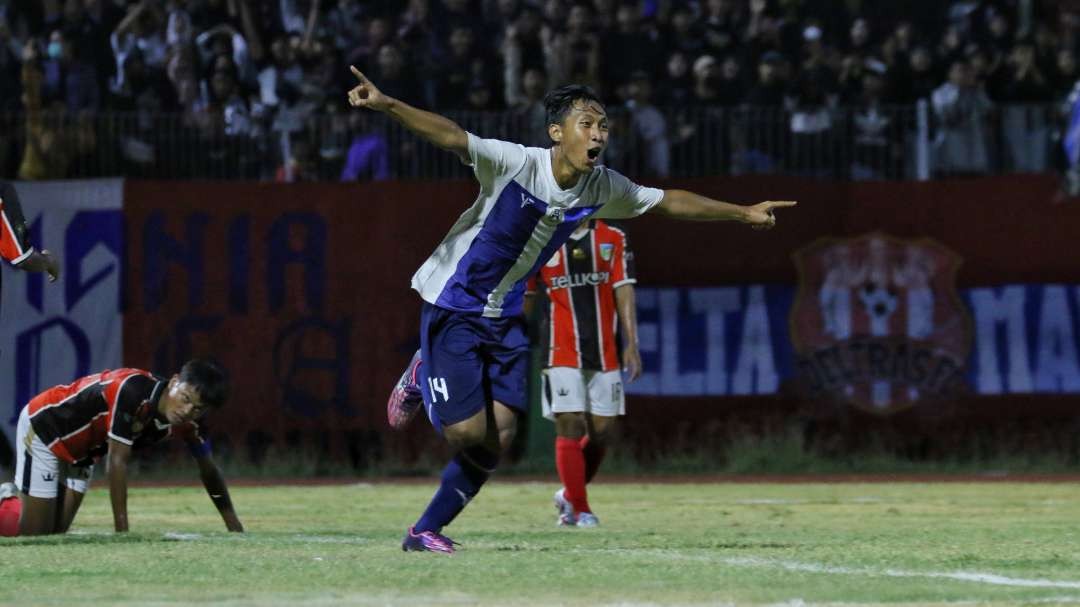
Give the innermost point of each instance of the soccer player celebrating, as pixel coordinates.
(472, 335)
(589, 282)
(63, 430)
(14, 237)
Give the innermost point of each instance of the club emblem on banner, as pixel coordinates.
(878, 323)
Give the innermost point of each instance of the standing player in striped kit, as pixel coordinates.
(589, 284)
(472, 334)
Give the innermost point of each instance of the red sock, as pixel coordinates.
(594, 453)
(571, 464)
(9, 516)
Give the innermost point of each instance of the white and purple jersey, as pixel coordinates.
(520, 218)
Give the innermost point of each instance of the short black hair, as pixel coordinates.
(208, 379)
(560, 101)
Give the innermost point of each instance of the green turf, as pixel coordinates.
(659, 544)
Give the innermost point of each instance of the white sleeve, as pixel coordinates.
(627, 199)
(492, 159)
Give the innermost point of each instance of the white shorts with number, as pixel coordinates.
(38, 472)
(570, 390)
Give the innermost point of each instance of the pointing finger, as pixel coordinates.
(359, 75)
(781, 203)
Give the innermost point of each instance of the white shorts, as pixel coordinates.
(570, 390)
(38, 472)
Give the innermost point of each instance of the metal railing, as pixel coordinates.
(857, 143)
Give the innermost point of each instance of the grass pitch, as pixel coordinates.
(791, 544)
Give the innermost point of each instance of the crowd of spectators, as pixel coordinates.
(261, 83)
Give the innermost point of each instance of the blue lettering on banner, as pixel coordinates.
(1026, 339)
(300, 371)
(239, 270)
(177, 348)
(713, 341)
(736, 340)
(87, 231)
(311, 255)
(34, 359)
(160, 249)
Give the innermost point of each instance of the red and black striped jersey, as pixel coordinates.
(77, 420)
(14, 237)
(580, 279)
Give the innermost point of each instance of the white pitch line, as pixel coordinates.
(963, 576)
(992, 579)
(183, 537)
(960, 576)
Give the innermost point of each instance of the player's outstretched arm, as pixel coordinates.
(681, 204)
(214, 483)
(119, 454)
(437, 129)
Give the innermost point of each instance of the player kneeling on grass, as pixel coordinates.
(66, 428)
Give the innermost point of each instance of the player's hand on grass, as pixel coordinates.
(631, 363)
(760, 215)
(366, 94)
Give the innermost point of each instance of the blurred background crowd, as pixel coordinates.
(254, 89)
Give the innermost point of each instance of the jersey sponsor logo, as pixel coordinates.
(590, 279)
(877, 322)
(606, 250)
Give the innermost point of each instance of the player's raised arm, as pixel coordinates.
(214, 482)
(681, 204)
(119, 454)
(437, 129)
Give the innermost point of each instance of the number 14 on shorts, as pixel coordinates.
(438, 385)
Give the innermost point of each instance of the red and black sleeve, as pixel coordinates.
(14, 236)
(133, 391)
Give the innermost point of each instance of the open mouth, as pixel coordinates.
(594, 153)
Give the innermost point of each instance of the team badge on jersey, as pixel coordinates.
(606, 250)
(877, 322)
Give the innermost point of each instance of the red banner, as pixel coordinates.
(302, 290)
